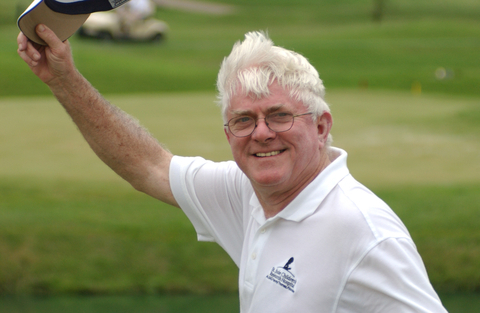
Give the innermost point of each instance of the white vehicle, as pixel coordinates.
(108, 26)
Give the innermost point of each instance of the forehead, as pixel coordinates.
(278, 98)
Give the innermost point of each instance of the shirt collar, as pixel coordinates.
(307, 202)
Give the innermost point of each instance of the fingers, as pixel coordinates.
(27, 51)
(48, 36)
(47, 62)
(21, 41)
(56, 51)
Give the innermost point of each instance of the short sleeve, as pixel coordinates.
(211, 196)
(390, 278)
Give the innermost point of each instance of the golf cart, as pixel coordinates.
(108, 26)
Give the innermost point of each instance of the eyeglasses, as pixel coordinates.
(243, 126)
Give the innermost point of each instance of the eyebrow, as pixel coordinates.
(249, 112)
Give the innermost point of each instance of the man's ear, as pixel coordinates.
(324, 125)
(227, 133)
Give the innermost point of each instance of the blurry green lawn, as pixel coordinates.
(464, 303)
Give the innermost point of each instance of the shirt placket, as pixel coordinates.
(260, 233)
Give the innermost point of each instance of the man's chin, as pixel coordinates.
(267, 180)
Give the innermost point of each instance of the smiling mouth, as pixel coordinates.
(268, 154)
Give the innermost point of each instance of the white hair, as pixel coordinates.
(254, 64)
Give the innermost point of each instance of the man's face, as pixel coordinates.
(287, 160)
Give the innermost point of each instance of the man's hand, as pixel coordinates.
(50, 63)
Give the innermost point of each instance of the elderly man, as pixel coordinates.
(305, 234)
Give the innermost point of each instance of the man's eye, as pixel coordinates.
(279, 117)
(243, 119)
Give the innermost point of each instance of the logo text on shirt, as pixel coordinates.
(283, 276)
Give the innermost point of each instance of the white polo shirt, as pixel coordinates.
(335, 248)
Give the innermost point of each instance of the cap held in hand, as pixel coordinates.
(64, 17)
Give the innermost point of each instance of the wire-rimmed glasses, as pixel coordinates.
(243, 126)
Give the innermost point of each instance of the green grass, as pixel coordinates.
(466, 303)
(92, 238)
(123, 304)
(454, 303)
(69, 225)
(411, 43)
(458, 303)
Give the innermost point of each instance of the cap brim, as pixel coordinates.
(63, 25)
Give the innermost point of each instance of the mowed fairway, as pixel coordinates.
(392, 137)
(40, 140)
(69, 224)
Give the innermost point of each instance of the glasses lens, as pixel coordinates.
(241, 126)
(279, 122)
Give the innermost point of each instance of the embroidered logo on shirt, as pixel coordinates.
(283, 276)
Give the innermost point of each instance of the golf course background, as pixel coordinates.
(405, 97)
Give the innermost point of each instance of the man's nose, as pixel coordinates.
(262, 132)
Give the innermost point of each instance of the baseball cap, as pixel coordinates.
(63, 17)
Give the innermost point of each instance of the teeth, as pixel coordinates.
(267, 154)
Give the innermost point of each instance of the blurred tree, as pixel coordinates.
(377, 13)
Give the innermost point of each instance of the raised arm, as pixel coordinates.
(114, 136)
